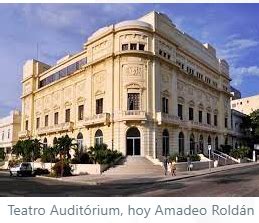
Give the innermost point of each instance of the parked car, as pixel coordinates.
(22, 169)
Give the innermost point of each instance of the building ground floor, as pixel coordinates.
(142, 138)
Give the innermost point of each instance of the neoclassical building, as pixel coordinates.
(9, 129)
(142, 86)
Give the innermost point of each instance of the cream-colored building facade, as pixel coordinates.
(10, 126)
(246, 105)
(143, 87)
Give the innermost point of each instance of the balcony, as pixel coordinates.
(201, 126)
(132, 115)
(63, 127)
(167, 118)
(24, 134)
(103, 118)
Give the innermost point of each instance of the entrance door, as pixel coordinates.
(133, 142)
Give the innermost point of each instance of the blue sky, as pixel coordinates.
(59, 29)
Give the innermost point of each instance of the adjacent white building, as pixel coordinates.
(9, 129)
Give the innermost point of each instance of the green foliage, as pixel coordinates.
(57, 168)
(240, 153)
(14, 162)
(82, 158)
(49, 155)
(28, 149)
(102, 155)
(40, 171)
(2, 154)
(64, 145)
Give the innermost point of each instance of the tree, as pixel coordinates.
(64, 145)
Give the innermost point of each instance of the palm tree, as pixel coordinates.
(64, 145)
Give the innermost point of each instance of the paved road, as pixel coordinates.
(236, 182)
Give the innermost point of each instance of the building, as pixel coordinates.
(143, 87)
(237, 134)
(246, 105)
(10, 126)
(236, 94)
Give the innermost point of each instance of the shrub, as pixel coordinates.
(225, 148)
(195, 157)
(102, 155)
(14, 162)
(83, 158)
(240, 153)
(2, 154)
(67, 171)
(40, 171)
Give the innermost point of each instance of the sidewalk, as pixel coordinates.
(144, 179)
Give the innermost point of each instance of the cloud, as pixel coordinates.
(235, 47)
(240, 73)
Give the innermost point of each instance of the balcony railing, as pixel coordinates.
(200, 126)
(68, 126)
(103, 118)
(24, 134)
(132, 115)
(167, 118)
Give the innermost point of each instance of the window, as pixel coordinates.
(133, 101)
(67, 115)
(226, 122)
(165, 142)
(99, 106)
(8, 134)
(56, 118)
(45, 143)
(165, 105)
(215, 120)
(37, 123)
(46, 120)
(141, 47)
(79, 140)
(180, 111)
(181, 143)
(26, 125)
(208, 119)
(165, 54)
(168, 56)
(80, 112)
(133, 46)
(160, 52)
(190, 114)
(98, 137)
(3, 136)
(125, 46)
(200, 116)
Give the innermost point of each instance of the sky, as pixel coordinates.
(61, 29)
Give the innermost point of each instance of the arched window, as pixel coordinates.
(55, 141)
(216, 143)
(45, 143)
(181, 144)
(201, 145)
(79, 140)
(192, 144)
(165, 143)
(209, 140)
(98, 137)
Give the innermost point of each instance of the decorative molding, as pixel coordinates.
(68, 104)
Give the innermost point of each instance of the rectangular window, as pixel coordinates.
(125, 46)
(133, 101)
(141, 47)
(190, 114)
(165, 105)
(133, 46)
(215, 120)
(99, 106)
(37, 123)
(180, 111)
(56, 118)
(208, 119)
(200, 116)
(8, 134)
(26, 125)
(46, 120)
(226, 122)
(80, 112)
(67, 115)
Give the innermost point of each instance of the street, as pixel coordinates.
(235, 182)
